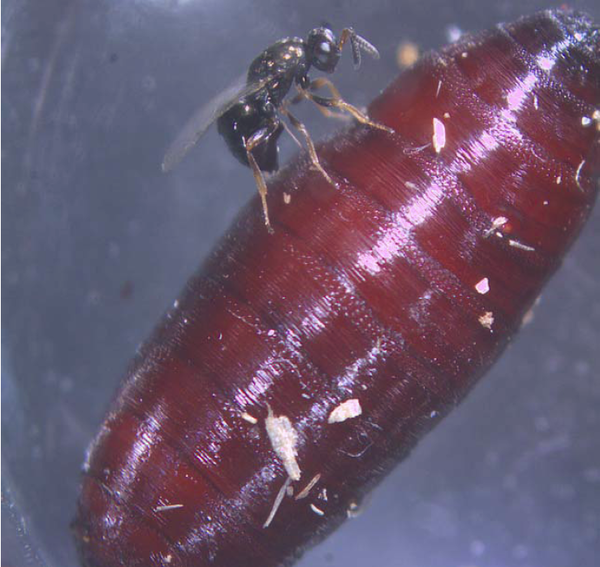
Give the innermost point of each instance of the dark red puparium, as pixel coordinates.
(398, 289)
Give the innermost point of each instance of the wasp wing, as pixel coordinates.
(201, 120)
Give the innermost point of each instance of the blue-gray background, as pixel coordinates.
(97, 243)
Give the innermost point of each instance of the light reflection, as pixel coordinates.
(357, 368)
(317, 316)
(396, 234)
(516, 97)
(145, 439)
(547, 59)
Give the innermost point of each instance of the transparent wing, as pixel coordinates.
(201, 120)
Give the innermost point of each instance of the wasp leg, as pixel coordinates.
(346, 107)
(262, 187)
(260, 137)
(314, 158)
(315, 85)
(282, 109)
(325, 82)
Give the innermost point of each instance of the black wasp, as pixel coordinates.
(248, 113)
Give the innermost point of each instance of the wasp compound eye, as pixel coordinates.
(323, 50)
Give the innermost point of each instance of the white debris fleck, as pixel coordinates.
(317, 510)
(277, 503)
(536, 103)
(353, 510)
(346, 410)
(433, 414)
(520, 245)
(439, 88)
(464, 54)
(283, 439)
(446, 115)
(453, 33)
(487, 320)
(496, 224)
(559, 180)
(287, 198)
(586, 121)
(249, 418)
(271, 333)
(439, 135)
(168, 507)
(304, 493)
(483, 286)
(168, 558)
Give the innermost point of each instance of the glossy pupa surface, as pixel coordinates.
(397, 290)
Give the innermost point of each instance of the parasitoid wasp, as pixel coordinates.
(248, 112)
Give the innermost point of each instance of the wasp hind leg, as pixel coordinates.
(316, 84)
(260, 137)
(343, 106)
(312, 151)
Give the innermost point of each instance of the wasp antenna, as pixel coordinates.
(355, 51)
(358, 43)
(366, 46)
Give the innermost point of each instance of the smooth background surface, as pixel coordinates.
(97, 243)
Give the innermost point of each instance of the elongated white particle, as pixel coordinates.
(249, 418)
(308, 488)
(283, 439)
(168, 507)
(316, 510)
(520, 245)
(346, 410)
(439, 135)
(278, 501)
